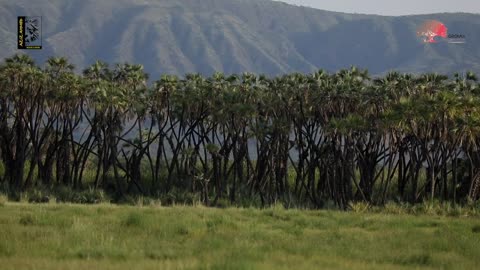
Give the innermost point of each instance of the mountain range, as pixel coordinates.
(232, 36)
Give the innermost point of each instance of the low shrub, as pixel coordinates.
(38, 196)
(176, 196)
(88, 196)
(91, 196)
(223, 203)
(359, 207)
(394, 208)
(65, 194)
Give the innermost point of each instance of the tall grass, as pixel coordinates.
(106, 236)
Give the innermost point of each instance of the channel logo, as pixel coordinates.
(433, 31)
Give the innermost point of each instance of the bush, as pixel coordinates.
(89, 196)
(176, 196)
(65, 194)
(394, 208)
(223, 203)
(146, 201)
(38, 196)
(359, 207)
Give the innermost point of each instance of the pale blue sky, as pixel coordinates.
(392, 7)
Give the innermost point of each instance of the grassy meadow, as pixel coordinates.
(107, 236)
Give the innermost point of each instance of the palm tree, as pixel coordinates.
(20, 78)
(341, 136)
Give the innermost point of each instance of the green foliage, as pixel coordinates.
(223, 203)
(301, 140)
(38, 196)
(427, 208)
(90, 196)
(65, 194)
(177, 196)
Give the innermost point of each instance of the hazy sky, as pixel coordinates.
(392, 7)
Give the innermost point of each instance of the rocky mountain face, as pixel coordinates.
(262, 36)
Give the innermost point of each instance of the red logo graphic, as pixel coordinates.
(431, 29)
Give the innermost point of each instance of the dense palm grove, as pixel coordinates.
(300, 139)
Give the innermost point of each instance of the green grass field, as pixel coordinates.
(63, 236)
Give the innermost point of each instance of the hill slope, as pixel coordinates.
(170, 36)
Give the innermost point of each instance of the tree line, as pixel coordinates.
(298, 138)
